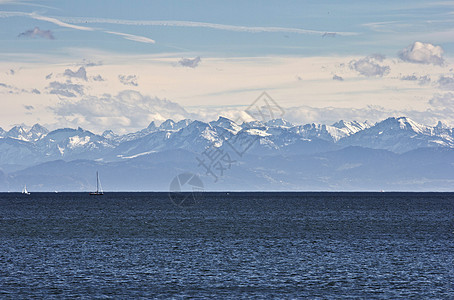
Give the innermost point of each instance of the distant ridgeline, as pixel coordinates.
(394, 154)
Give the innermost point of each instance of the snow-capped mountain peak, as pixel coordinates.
(109, 134)
(226, 124)
(172, 125)
(276, 136)
(36, 132)
(17, 132)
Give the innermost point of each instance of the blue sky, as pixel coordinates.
(315, 58)
(380, 27)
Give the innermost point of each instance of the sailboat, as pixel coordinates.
(98, 187)
(24, 190)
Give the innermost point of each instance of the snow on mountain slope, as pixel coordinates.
(349, 128)
(171, 125)
(36, 132)
(400, 135)
(226, 124)
(18, 133)
(72, 144)
(256, 138)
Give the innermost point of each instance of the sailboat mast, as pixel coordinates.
(97, 182)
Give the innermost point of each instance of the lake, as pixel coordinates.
(227, 245)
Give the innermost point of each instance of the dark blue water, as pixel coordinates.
(237, 245)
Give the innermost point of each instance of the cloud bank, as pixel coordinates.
(125, 111)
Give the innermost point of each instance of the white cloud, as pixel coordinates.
(369, 66)
(55, 21)
(423, 53)
(126, 111)
(230, 85)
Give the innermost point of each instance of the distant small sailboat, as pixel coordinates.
(99, 191)
(24, 190)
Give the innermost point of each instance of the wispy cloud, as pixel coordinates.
(65, 89)
(15, 90)
(420, 79)
(8, 14)
(173, 23)
(58, 22)
(388, 26)
(88, 63)
(132, 37)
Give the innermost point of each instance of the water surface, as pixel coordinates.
(229, 245)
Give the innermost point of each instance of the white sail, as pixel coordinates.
(98, 186)
(24, 191)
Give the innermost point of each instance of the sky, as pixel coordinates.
(121, 64)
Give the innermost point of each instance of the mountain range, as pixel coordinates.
(394, 154)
